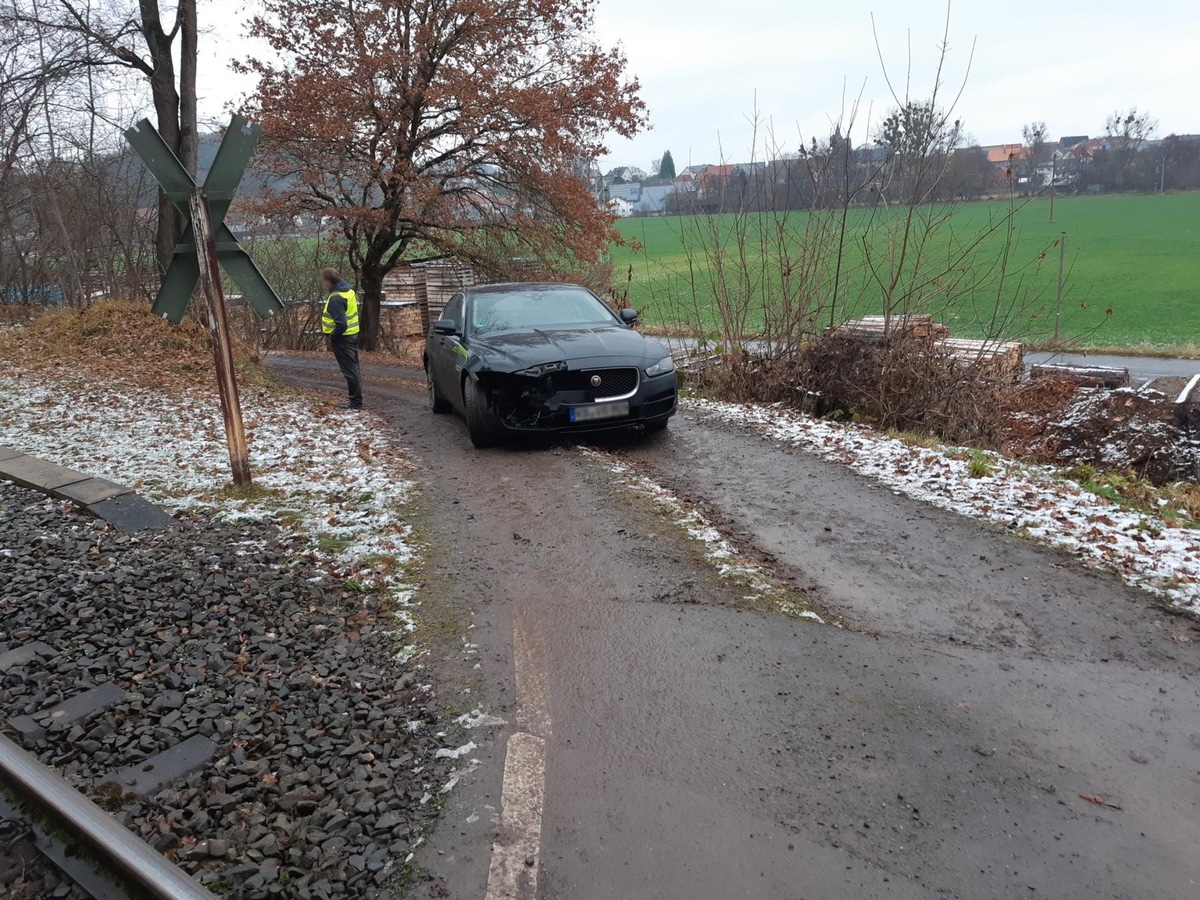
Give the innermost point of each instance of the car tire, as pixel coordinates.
(437, 402)
(484, 428)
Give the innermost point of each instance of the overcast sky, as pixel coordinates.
(703, 63)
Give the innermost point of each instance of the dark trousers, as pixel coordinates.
(345, 349)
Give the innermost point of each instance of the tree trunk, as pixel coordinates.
(189, 136)
(166, 110)
(370, 305)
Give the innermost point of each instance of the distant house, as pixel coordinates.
(1083, 152)
(1071, 142)
(1004, 155)
(713, 176)
(653, 201)
(631, 193)
(622, 209)
(1047, 171)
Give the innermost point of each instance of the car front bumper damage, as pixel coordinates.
(542, 402)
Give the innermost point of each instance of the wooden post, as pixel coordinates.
(218, 328)
(1062, 260)
(1053, 182)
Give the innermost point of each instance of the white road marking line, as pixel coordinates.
(514, 869)
(513, 872)
(533, 686)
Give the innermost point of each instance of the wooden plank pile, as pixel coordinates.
(916, 325)
(398, 321)
(1004, 360)
(442, 281)
(427, 287)
(404, 289)
(997, 359)
(1085, 376)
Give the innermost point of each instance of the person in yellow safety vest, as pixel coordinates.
(339, 322)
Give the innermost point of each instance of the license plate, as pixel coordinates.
(599, 411)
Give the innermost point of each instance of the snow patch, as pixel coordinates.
(729, 563)
(329, 478)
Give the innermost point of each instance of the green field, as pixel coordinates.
(1138, 256)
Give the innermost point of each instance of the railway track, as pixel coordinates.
(241, 715)
(85, 842)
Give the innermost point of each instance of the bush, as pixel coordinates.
(905, 383)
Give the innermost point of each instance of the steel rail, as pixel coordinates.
(129, 856)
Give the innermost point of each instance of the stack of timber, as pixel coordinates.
(426, 288)
(915, 325)
(1085, 376)
(442, 281)
(405, 310)
(1004, 360)
(398, 321)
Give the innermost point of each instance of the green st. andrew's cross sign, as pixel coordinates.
(221, 184)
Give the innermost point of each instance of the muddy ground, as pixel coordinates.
(951, 740)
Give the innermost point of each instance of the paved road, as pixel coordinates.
(1141, 368)
(665, 740)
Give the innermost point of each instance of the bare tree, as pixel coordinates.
(1037, 148)
(71, 195)
(138, 37)
(1127, 133)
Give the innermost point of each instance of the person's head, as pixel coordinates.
(330, 278)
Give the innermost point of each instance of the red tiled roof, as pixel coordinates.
(1002, 154)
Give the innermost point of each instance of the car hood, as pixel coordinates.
(517, 350)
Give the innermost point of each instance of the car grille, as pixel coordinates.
(613, 382)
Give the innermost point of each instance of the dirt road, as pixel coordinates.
(665, 739)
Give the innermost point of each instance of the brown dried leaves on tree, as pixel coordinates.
(436, 128)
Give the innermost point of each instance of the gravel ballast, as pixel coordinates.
(324, 770)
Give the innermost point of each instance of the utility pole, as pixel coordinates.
(218, 329)
(1062, 259)
(1053, 182)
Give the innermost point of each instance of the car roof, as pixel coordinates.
(510, 286)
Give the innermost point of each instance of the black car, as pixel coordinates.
(545, 358)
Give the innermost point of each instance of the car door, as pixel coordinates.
(449, 352)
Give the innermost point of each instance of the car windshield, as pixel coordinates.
(520, 310)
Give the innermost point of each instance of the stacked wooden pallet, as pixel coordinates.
(398, 321)
(1001, 359)
(404, 289)
(428, 286)
(442, 281)
(917, 325)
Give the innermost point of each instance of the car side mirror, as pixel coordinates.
(629, 316)
(445, 326)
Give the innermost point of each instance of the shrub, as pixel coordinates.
(905, 383)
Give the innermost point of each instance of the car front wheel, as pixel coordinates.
(485, 429)
(437, 402)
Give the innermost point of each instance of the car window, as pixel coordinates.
(454, 310)
(517, 310)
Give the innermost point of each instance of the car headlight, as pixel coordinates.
(662, 367)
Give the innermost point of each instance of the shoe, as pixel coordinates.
(349, 405)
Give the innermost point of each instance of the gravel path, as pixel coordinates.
(324, 771)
